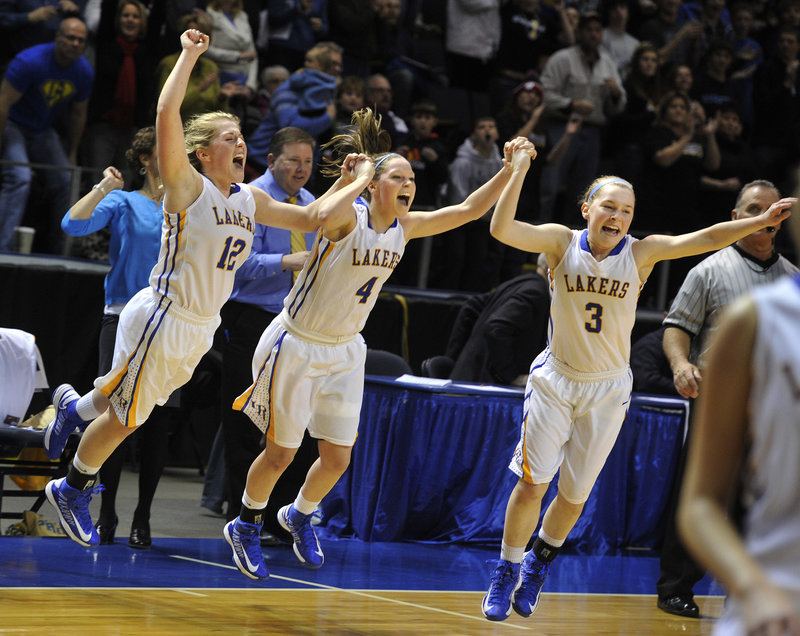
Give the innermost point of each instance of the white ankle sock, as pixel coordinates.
(84, 468)
(86, 409)
(252, 503)
(303, 506)
(511, 554)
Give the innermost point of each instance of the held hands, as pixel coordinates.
(518, 154)
(356, 166)
(194, 41)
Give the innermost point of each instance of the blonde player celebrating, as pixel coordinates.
(308, 368)
(166, 328)
(579, 387)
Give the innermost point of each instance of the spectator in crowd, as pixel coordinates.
(713, 85)
(122, 93)
(350, 97)
(714, 21)
(42, 84)
(673, 38)
(392, 52)
(26, 23)
(135, 219)
(428, 157)
(737, 165)
(378, 96)
(269, 79)
(582, 80)
(677, 148)
(749, 55)
(294, 27)
(643, 88)
(261, 284)
(462, 258)
(531, 32)
(777, 109)
(204, 93)
(351, 24)
(617, 42)
(233, 48)
(496, 334)
(472, 41)
(305, 100)
(710, 286)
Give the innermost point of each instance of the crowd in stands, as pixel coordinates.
(687, 100)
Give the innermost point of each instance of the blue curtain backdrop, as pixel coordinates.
(430, 464)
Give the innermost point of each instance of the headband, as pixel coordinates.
(606, 182)
(385, 157)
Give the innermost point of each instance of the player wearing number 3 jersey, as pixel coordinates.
(579, 387)
(308, 368)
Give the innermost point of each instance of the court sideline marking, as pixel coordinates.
(354, 592)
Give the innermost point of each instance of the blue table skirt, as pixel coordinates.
(430, 464)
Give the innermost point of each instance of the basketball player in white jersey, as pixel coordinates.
(166, 328)
(308, 368)
(579, 387)
(747, 431)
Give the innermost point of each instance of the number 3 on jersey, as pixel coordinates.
(227, 259)
(595, 319)
(366, 289)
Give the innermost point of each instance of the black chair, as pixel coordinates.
(437, 367)
(381, 362)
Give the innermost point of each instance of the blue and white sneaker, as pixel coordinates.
(66, 421)
(306, 545)
(72, 506)
(526, 597)
(496, 605)
(245, 541)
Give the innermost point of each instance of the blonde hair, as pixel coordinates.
(200, 130)
(363, 135)
(142, 14)
(600, 183)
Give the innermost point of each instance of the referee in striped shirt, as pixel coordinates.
(708, 287)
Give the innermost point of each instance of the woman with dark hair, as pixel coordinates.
(308, 368)
(644, 88)
(135, 221)
(123, 82)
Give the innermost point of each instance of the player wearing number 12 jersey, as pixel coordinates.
(166, 328)
(579, 387)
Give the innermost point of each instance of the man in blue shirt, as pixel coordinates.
(42, 84)
(262, 282)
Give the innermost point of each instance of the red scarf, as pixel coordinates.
(122, 110)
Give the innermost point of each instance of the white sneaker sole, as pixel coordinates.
(236, 559)
(52, 499)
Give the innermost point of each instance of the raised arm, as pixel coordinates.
(478, 203)
(182, 183)
(659, 247)
(549, 238)
(83, 208)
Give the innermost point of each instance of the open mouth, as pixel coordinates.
(608, 229)
(405, 199)
(238, 161)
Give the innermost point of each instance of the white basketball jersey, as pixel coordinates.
(593, 306)
(772, 481)
(202, 247)
(341, 280)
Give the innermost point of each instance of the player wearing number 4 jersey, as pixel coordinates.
(308, 368)
(166, 328)
(579, 387)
